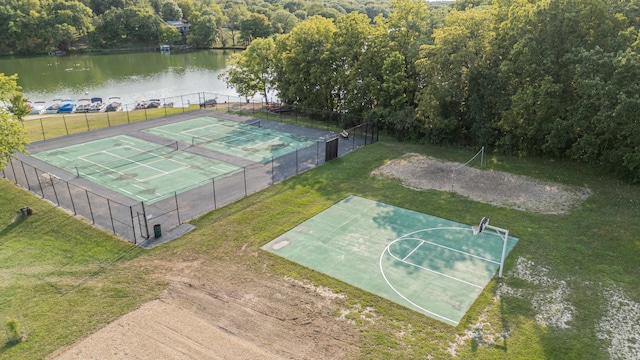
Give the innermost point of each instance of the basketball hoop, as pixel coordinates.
(503, 233)
(478, 229)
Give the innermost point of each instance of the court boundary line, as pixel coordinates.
(406, 237)
(154, 159)
(448, 248)
(388, 250)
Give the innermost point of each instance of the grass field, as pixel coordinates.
(65, 279)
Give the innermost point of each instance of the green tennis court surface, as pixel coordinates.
(139, 169)
(250, 142)
(428, 264)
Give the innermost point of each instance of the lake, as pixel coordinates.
(129, 76)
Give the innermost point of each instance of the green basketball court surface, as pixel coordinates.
(431, 265)
(139, 169)
(250, 142)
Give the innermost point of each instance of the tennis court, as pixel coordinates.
(244, 140)
(432, 265)
(140, 169)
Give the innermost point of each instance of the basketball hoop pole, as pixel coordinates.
(500, 231)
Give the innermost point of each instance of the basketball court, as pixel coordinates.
(431, 265)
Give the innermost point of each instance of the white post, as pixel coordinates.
(504, 245)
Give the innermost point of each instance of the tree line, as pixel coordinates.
(555, 78)
(40, 26)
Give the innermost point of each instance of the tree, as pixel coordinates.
(409, 28)
(254, 26)
(234, 14)
(305, 75)
(187, 8)
(68, 20)
(204, 30)
(535, 41)
(170, 11)
(461, 53)
(142, 24)
(13, 134)
(99, 7)
(169, 34)
(110, 26)
(283, 21)
(253, 70)
(603, 126)
(353, 39)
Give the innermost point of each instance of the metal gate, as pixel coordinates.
(331, 151)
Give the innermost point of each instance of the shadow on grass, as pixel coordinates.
(18, 219)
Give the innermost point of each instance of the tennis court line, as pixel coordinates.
(139, 164)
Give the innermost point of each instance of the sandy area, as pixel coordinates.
(211, 311)
(491, 187)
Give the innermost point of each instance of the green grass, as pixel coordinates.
(62, 276)
(51, 126)
(82, 277)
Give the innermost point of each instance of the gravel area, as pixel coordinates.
(492, 187)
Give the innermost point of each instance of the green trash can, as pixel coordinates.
(157, 230)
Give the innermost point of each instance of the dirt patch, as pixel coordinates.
(214, 312)
(492, 187)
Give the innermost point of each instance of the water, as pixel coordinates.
(129, 76)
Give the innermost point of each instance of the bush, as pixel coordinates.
(14, 331)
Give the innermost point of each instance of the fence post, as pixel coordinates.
(39, 182)
(213, 182)
(89, 203)
(108, 120)
(273, 175)
(86, 119)
(42, 128)
(55, 193)
(111, 217)
(133, 226)
(175, 194)
(26, 178)
(64, 120)
(244, 173)
(297, 161)
(73, 204)
(144, 215)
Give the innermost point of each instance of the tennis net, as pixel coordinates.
(201, 140)
(124, 160)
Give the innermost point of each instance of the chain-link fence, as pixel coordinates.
(140, 221)
(134, 221)
(108, 214)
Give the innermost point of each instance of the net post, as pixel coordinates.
(77, 171)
